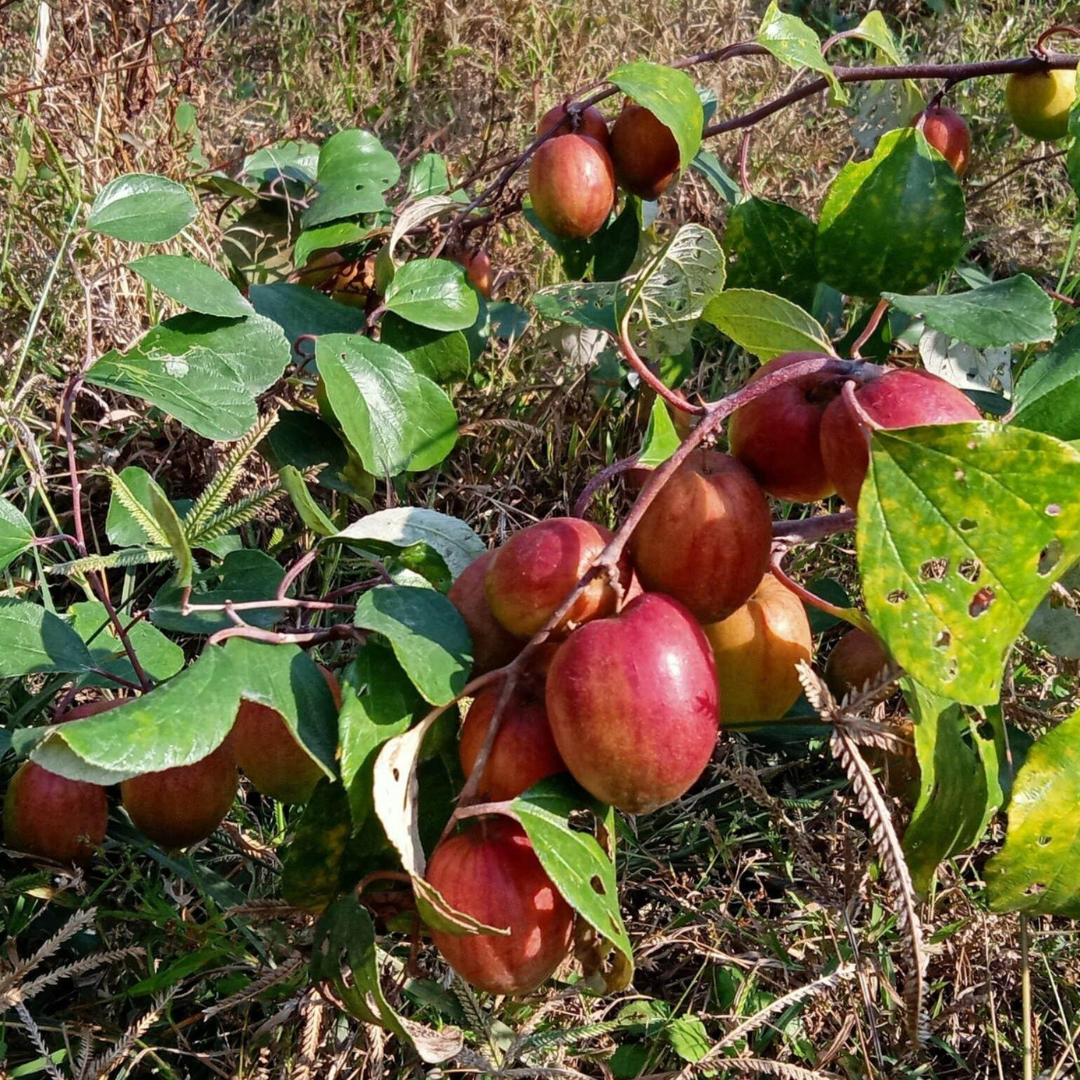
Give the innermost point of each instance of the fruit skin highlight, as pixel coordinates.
(490, 871)
(633, 704)
(572, 186)
(537, 568)
(493, 645)
(899, 398)
(857, 658)
(947, 132)
(182, 806)
(52, 817)
(705, 538)
(1039, 102)
(477, 266)
(592, 125)
(644, 152)
(275, 763)
(757, 649)
(777, 436)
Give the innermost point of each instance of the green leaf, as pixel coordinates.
(242, 577)
(892, 223)
(169, 523)
(435, 426)
(403, 526)
(258, 244)
(793, 43)
(428, 176)
(201, 370)
(193, 284)
(874, 29)
(377, 702)
(130, 520)
(1013, 311)
(1072, 153)
(958, 785)
(766, 325)
(708, 164)
(661, 438)
(688, 1038)
(962, 530)
(303, 440)
(16, 533)
(311, 513)
(311, 870)
(299, 310)
(345, 957)
(35, 640)
(1047, 395)
(296, 159)
(141, 207)
(159, 730)
(427, 634)
(376, 396)
(441, 356)
(354, 171)
(1055, 625)
(1038, 869)
(434, 293)
(670, 95)
(326, 237)
(771, 246)
(575, 861)
(159, 657)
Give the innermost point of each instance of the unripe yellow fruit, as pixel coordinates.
(1039, 102)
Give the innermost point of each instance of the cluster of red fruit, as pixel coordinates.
(66, 820)
(624, 694)
(573, 175)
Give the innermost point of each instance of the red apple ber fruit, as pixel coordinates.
(477, 266)
(644, 152)
(490, 871)
(777, 435)
(524, 750)
(264, 747)
(757, 650)
(536, 569)
(857, 658)
(633, 704)
(51, 816)
(705, 538)
(572, 186)
(179, 807)
(947, 132)
(493, 645)
(591, 124)
(900, 398)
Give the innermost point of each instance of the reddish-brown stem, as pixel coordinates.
(337, 632)
(790, 533)
(978, 193)
(636, 364)
(853, 403)
(870, 328)
(188, 608)
(295, 571)
(609, 472)
(850, 615)
(744, 163)
(1054, 31)
(381, 875)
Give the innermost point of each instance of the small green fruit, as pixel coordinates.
(1039, 102)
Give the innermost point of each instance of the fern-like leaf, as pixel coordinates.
(237, 514)
(134, 556)
(142, 517)
(217, 492)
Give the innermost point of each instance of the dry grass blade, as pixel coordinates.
(8, 994)
(885, 737)
(887, 844)
(105, 1062)
(760, 1067)
(34, 1032)
(70, 971)
(253, 989)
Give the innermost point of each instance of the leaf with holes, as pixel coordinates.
(141, 207)
(959, 790)
(962, 530)
(1038, 869)
(793, 43)
(1048, 393)
(354, 171)
(1009, 312)
(766, 325)
(575, 861)
(670, 95)
(893, 223)
(1056, 624)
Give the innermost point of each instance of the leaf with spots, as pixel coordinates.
(670, 95)
(963, 528)
(354, 172)
(576, 863)
(1038, 869)
(892, 223)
